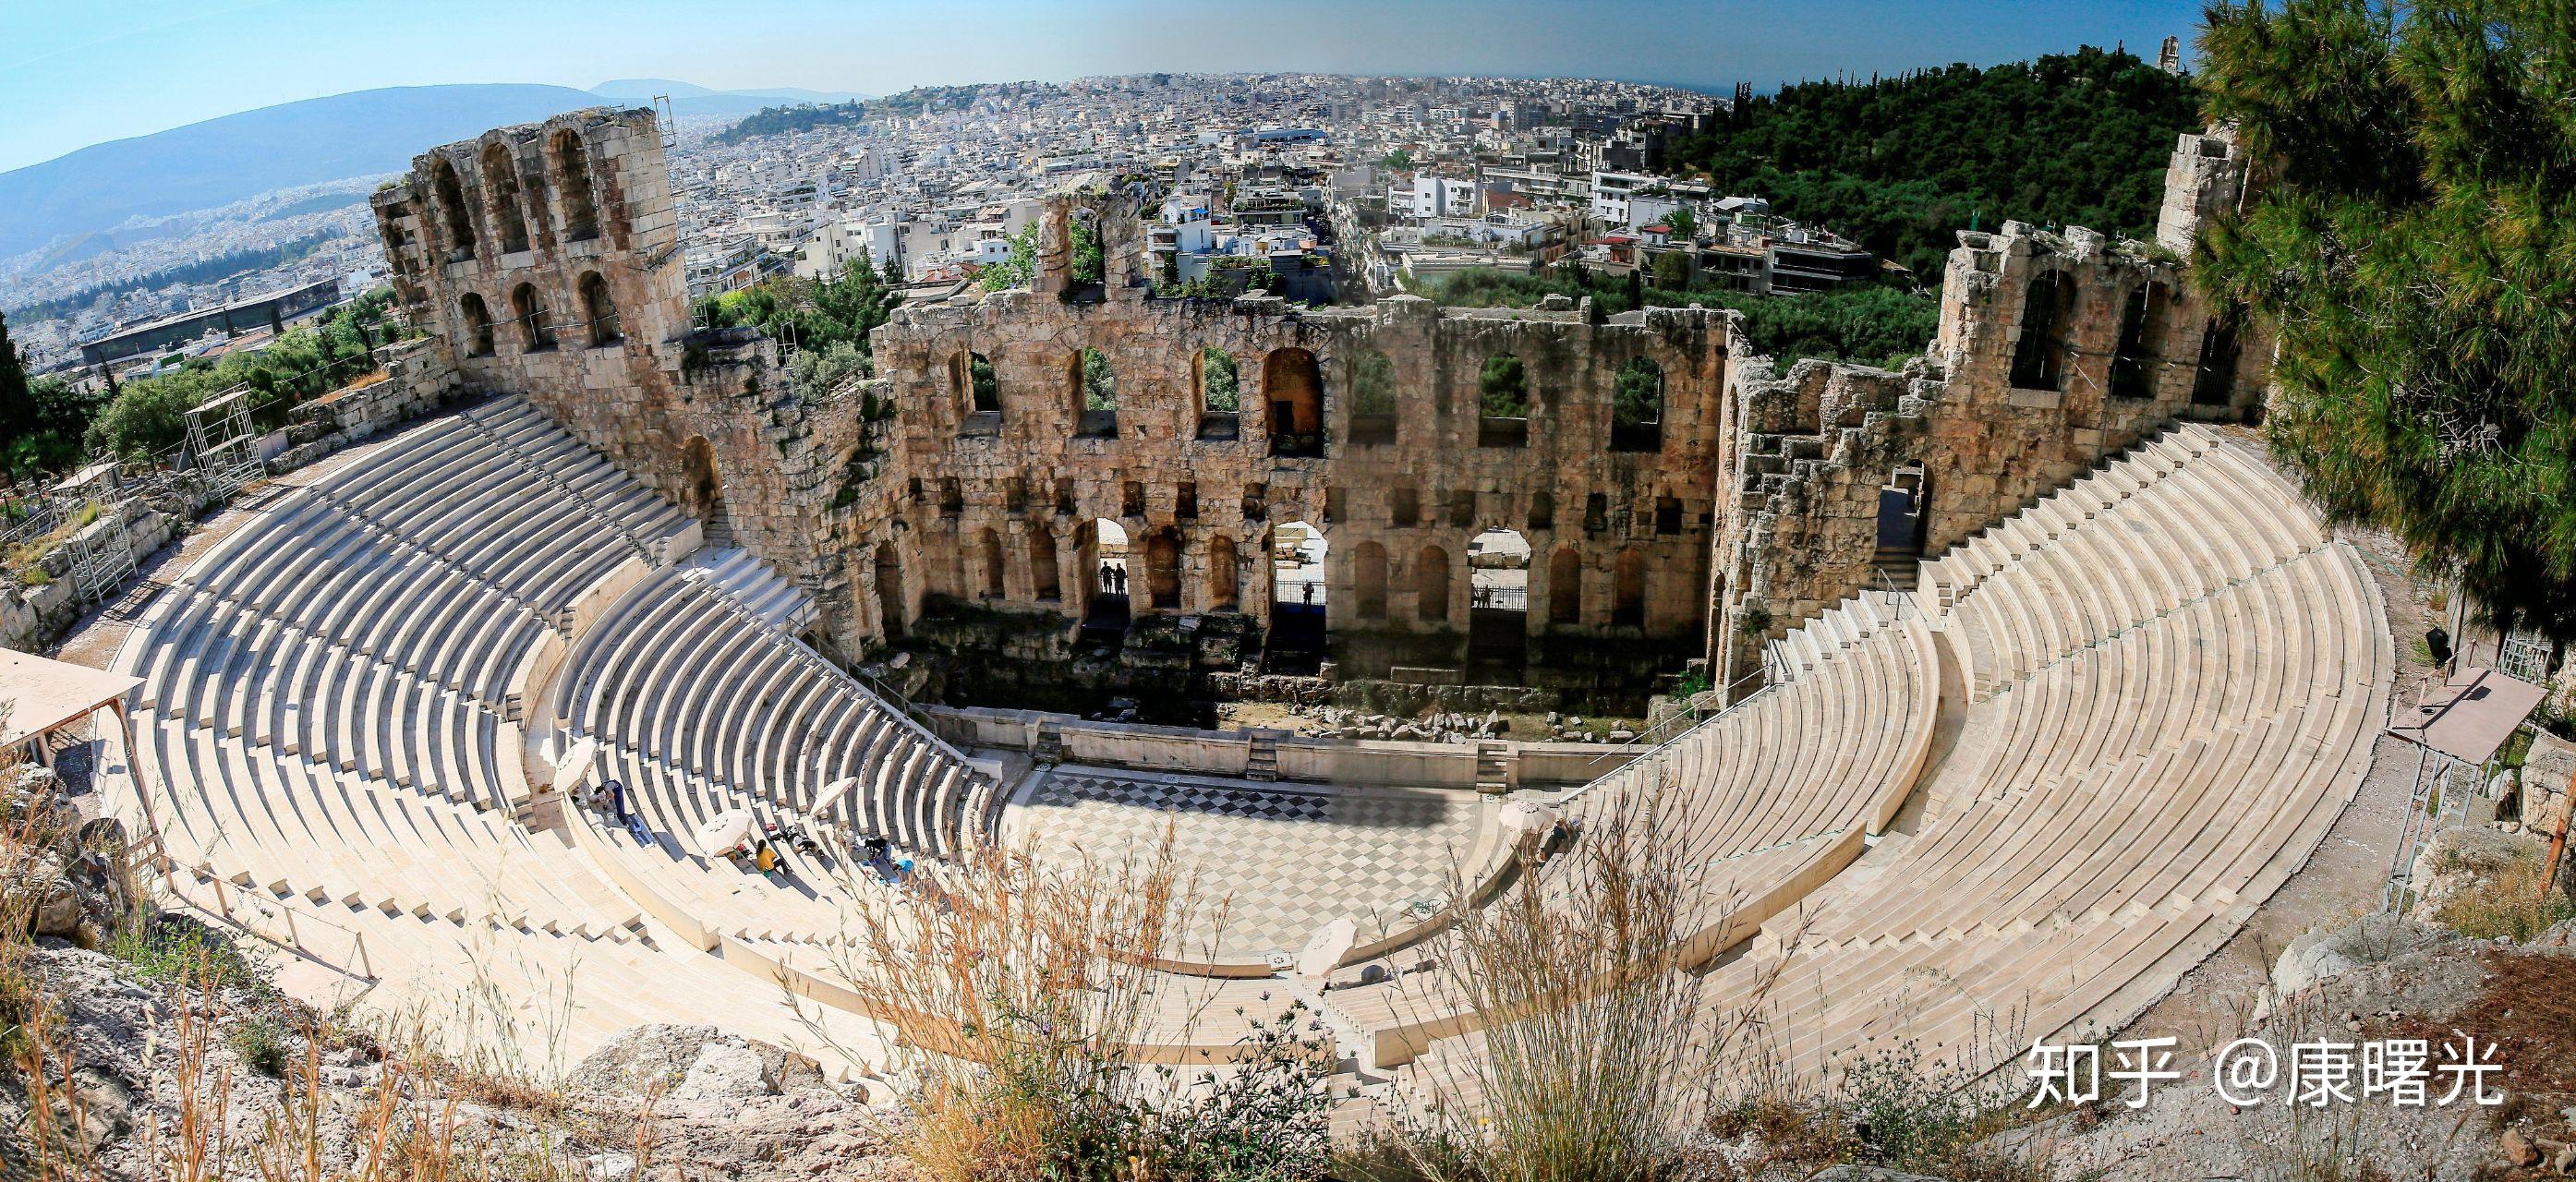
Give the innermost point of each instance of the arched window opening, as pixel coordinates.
(2142, 331)
(1498, 562)
(1296, 639)
(1502, 402)
(478, 325)
(1094, 389)
(2039, 356)
(1163, 569)
(572, 180)
(1637, 407)
(501, 184)
(1293, 390)
(1564, 587)
(1368, 581)
(2215, 382)
(1628, 589)
(1102, 561)
(890, 599)
(451, 205)
(1225, 577)
(600, 309)
(1373, 415)
(992, 548)
(1220, 387)
(978, 397)
(1042, 568)
(530, 309)
(1431, 585)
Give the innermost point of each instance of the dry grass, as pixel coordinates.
(1597, 1057)
(1026, 1011)
(2508, 903)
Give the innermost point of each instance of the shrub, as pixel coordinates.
(1023, 997)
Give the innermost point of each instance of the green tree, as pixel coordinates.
(1018, 270)
(1220, 384)
(1900, 163)
(1503, 388)
(2416, 253)
(1673, 270)
(1683, 223)
(1399, 159)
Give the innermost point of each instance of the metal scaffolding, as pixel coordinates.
(2458, 727)
(101, 551)
(220, 440)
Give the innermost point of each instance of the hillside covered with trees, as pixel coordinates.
(1872, 324)
(1900, 164)
(802, 117)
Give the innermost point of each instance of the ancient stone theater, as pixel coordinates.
(2013, 679)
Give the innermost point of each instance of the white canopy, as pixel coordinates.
(1327, 947)
(725, 830)
(37, 695)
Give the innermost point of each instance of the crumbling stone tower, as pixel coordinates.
(546, 260)
(2056, 349)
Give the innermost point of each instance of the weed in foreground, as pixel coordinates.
(1037, 1039)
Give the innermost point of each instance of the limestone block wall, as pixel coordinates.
(546, 258)
(1007, 497)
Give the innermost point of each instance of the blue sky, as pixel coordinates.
(77, 72)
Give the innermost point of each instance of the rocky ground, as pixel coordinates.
(159, 1076)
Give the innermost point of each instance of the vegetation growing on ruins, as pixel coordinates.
(147, 416)
(826, 320)
(1900, 164)
(2416, 251)
(797, 117)
(1872, 324)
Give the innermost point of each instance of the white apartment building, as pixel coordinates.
(1442, 196)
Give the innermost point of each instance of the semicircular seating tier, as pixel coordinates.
(329, 721)
(2174, 677)
(703, 701)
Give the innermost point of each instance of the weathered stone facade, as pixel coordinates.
(974, 469)
(2055, 351)
(546, 258)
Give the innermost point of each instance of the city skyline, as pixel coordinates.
(73, 84)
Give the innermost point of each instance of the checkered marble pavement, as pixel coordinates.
(1287, 858)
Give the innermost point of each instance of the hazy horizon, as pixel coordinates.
(76, 80)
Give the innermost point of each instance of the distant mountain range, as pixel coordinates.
(361, 133)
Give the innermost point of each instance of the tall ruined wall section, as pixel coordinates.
(1000, 502)
(2055, 351)
(546, 259)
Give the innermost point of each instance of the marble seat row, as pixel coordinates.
(682, 674)
(2174, 676)
(1758, 805)
(326, 708)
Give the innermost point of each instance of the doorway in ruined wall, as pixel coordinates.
(1293, 390)
(1498, 563)
(1225, 576)
(890, 597)
(1101, 548)
(1298, 632)
(1048, 580)
(1163, 569)
(702, 490)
